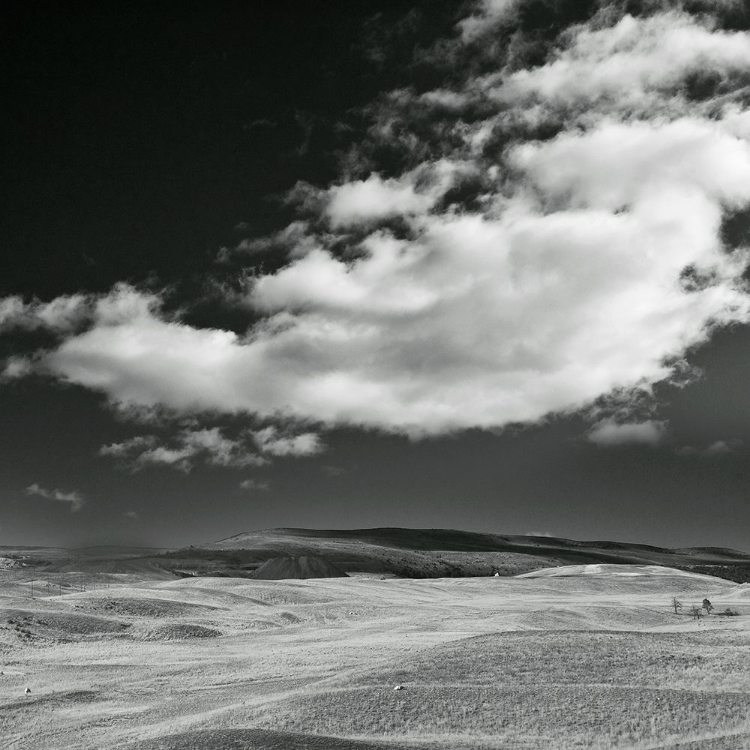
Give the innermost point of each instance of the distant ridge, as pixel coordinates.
(386, 551)
(455, 540)
(432, 553)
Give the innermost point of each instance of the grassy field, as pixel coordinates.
(591, 659)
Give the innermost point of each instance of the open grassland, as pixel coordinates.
(588, 660)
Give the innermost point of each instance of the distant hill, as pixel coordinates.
(401, 552)
(433, 553)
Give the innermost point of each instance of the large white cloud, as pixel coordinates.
(580, 264)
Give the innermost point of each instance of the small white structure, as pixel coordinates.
(28, 691)
(399, 687)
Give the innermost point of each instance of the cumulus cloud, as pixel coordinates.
(610, 433)
(75, 499)
(411, 194)
(550, 219)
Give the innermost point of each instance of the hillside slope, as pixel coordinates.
(433, 553)
(400, 552)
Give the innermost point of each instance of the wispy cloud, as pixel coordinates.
(262, 123)
(253, 485)
(272, 442)
(75, 499)
(609, 433)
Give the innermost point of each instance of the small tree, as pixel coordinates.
(696, 611)
(676, 604)
(707, 606)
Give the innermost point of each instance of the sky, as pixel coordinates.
(477, 265)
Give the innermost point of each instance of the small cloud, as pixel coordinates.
(12, 310)
(333, 471)
(183, 451)
(539, 533)
(722, 447)
(718, 448)
(16, 368)
(63, 314)
(609, 433)
(255, 485)
(488, 16)
(74, 498)
(131, 514)
(271, 442)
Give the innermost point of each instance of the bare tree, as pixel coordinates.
(707, 606)
(676, 604)
(696, 612)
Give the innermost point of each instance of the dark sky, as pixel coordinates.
(545, 352)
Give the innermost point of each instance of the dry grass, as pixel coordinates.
(625, 689)
(222, 664)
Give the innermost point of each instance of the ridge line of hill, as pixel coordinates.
(384, 551)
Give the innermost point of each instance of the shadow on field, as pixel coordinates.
(258, 739)
(52, 700)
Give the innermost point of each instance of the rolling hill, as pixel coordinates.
(436, 553)
(392, 552)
